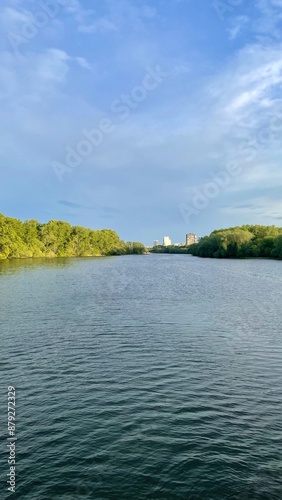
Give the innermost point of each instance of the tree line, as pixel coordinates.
(236, 242)
(30, 239)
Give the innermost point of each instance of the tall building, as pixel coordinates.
(191, 239)
(156, 243)
(167, 241)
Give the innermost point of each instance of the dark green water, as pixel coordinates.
(143, 377)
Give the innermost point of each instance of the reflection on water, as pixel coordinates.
(9, 266)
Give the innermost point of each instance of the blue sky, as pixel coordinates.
(182, 102)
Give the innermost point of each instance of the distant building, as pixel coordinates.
(191, 239)
(167, 241)
(156, 243)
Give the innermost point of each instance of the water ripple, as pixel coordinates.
(165, 384)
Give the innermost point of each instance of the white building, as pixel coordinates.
(156, 243)
(167, 241)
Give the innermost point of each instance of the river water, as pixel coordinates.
(143, 377)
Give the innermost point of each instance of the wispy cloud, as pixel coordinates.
(270, 16)
(250, 84)
(101, 25)
(237, 26)
(74, 205)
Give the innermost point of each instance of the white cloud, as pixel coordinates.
(119, 15)
(238, 23)
(83, 63)
(11, 16)
(101, 25)
(181, 69)
(249, 86)
(269, 19)
(263, 208)
(52, 66)
(32, 77)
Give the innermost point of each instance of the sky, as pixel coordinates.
(153, 118)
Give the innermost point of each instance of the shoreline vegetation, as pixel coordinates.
(248, 241)
(30, 239)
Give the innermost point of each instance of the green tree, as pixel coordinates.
(57, 239)
(277, 250)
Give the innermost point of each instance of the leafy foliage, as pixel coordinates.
(59, 239)
(235, 242)
(241, 242)
(170, 249)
